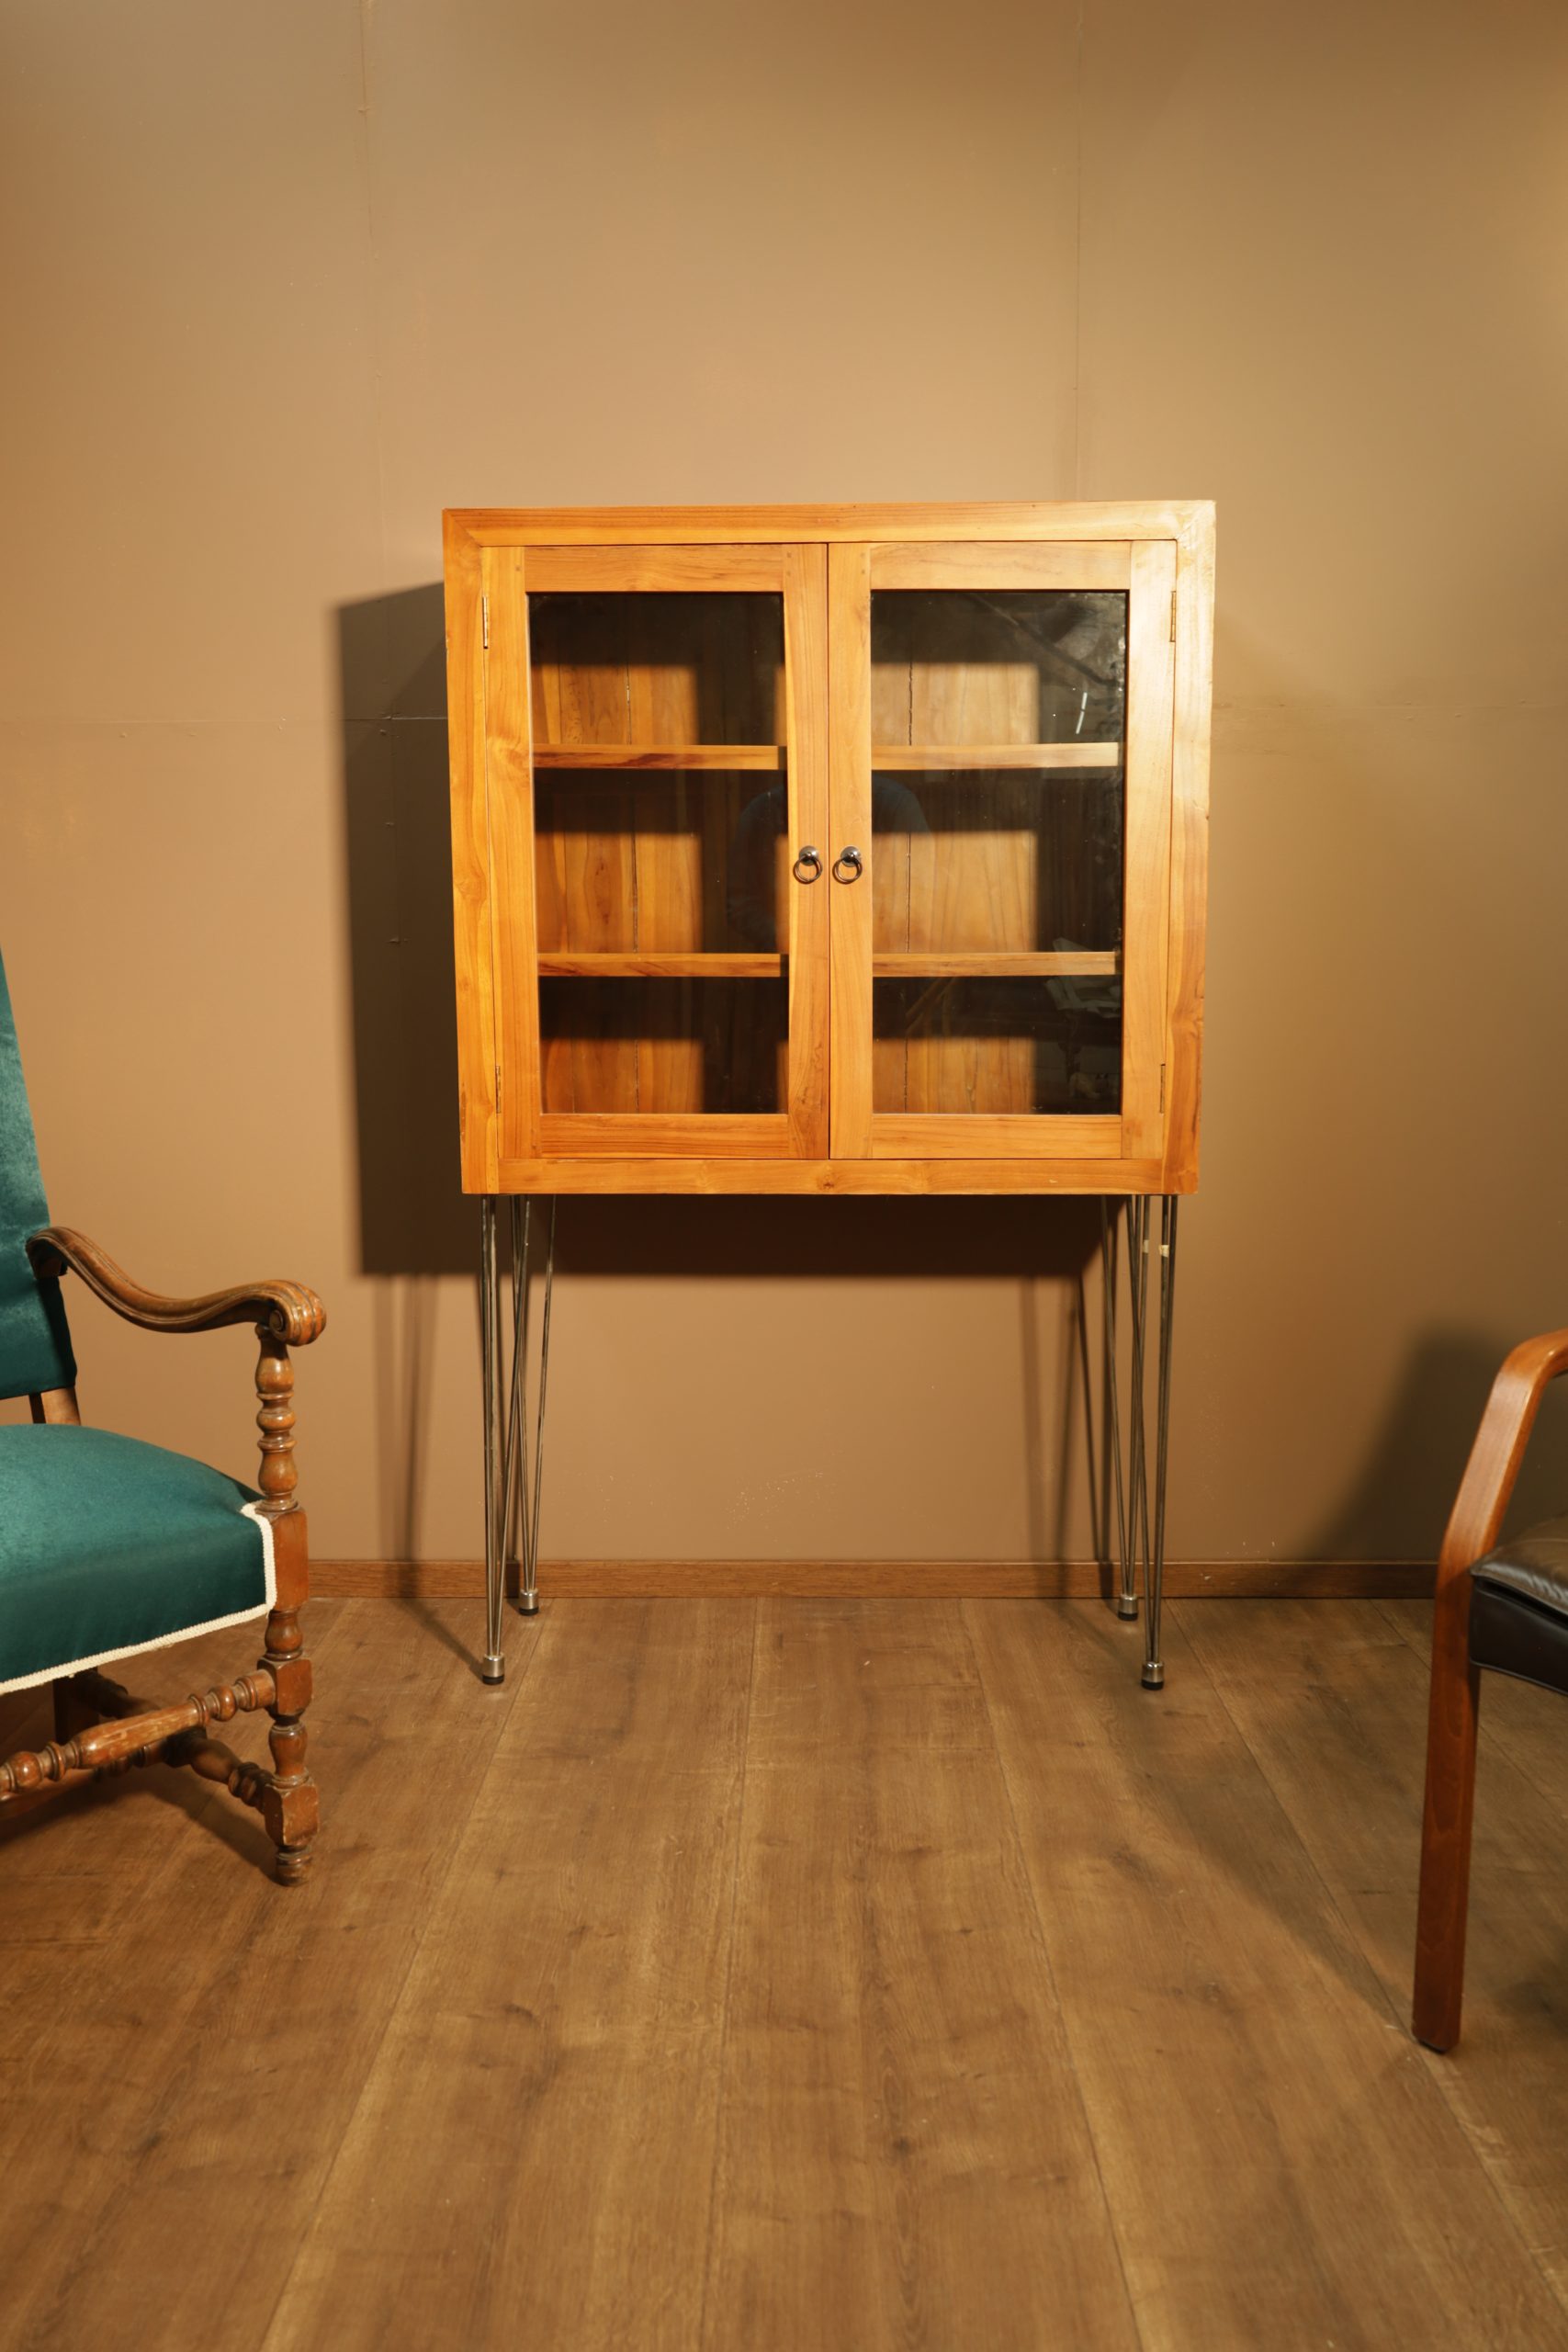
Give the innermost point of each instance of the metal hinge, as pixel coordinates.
(1162, 1086)
(1173, 617)
(484, 620)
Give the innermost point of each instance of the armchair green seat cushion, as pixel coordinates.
(108, 1547)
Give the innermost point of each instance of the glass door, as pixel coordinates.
(655, 723)
(1000, 791)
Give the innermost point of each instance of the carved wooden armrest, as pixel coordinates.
(288, 1311)
(1495, 1458)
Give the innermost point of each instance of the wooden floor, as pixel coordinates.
(787, 1973)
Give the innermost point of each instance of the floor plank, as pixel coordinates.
(532, 2161)
(1332, 1699)
(903, 2137)
(182, 2108)
(75, 1867)
(1280, 2165)
(73, 1888)
(797, 1973)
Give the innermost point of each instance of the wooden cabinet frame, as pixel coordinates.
(824, 563)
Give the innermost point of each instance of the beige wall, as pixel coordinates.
(286, 279)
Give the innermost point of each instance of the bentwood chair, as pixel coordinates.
(109, 1547)
(1501, 1606)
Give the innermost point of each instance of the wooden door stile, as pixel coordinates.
(473, 940)
(806, 691)
(510, 789)
(1189, 846)
(848, 825)
(1147, 903)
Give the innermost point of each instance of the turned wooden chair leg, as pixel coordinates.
(289, 1806)
(1446, 1828)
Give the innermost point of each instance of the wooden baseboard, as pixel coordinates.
(879, 1579)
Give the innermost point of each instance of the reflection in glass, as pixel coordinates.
(1017, 665)
(985, 1046)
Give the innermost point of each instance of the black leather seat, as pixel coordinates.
(1519, 1611)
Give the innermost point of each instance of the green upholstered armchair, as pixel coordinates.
(109, 1547)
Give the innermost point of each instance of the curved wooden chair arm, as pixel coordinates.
(1449, 1809)
(1495, 1458)
(288, 1311)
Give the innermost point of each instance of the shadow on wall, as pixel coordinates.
(414, 1221)
(414, 1216)
(1399, 1504)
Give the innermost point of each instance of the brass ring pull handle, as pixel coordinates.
(806, 855)
(852, 858)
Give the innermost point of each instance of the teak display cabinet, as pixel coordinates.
(829, 850)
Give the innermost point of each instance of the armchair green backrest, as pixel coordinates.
(34, 1340)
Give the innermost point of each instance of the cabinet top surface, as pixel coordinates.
(1188, 520)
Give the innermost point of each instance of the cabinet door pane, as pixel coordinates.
(980, 1046)
(998, 720)
(662, 851)
(657, 669)
(688, 861)
(653, 1044)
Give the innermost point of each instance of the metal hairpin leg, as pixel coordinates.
(1141, 1542)
(508, 1502)
(494, 1669)
(1154, 1670)
(1127, 1592)
(516, 1460)
(1137, 1438)
(517, 1434)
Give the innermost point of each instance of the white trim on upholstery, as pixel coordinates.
(167, 1641)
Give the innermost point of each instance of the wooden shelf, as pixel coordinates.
(773, 757)
(978, 963)
(631, 966)
(937, 756)
(660, 755)
(994, 964)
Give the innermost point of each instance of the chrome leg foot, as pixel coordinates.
(1154, 1677)
(494, 1669)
